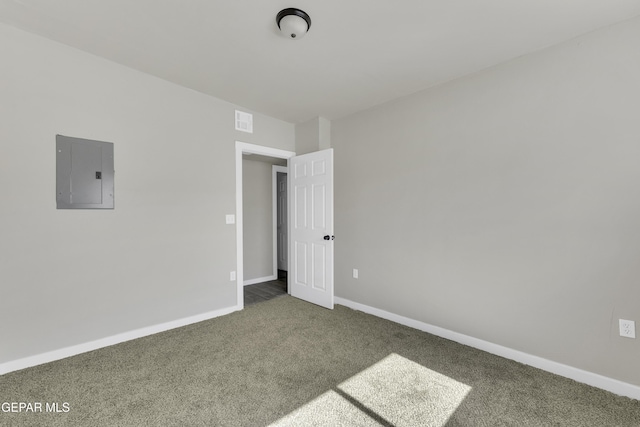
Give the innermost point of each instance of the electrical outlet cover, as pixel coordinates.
(627, 328)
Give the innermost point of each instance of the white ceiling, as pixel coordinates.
(357, 54)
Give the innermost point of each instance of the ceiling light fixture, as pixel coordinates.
(293, 23)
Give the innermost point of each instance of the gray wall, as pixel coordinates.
(313, 135)
(257, 194)
(165, 252)
(505, 205)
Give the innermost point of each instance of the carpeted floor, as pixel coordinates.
(287, 362)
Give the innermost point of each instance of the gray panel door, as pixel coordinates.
(281, 223)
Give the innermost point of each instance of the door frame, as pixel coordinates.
(274, 189)
(247, 148)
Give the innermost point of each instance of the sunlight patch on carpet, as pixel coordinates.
(329, 409)
(395, 391)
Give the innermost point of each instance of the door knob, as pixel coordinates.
(327, 237)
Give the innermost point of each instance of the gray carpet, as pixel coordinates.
(285, 362)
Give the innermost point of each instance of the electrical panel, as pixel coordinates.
(84, 173)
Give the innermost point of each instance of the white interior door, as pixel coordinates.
(311, 227)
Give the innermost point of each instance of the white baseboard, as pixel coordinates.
(259, 280)
(62, 353)
(596, 380)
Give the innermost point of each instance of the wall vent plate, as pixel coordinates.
(244, 121)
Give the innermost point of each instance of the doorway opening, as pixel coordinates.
(257, 151)
(265, 228)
